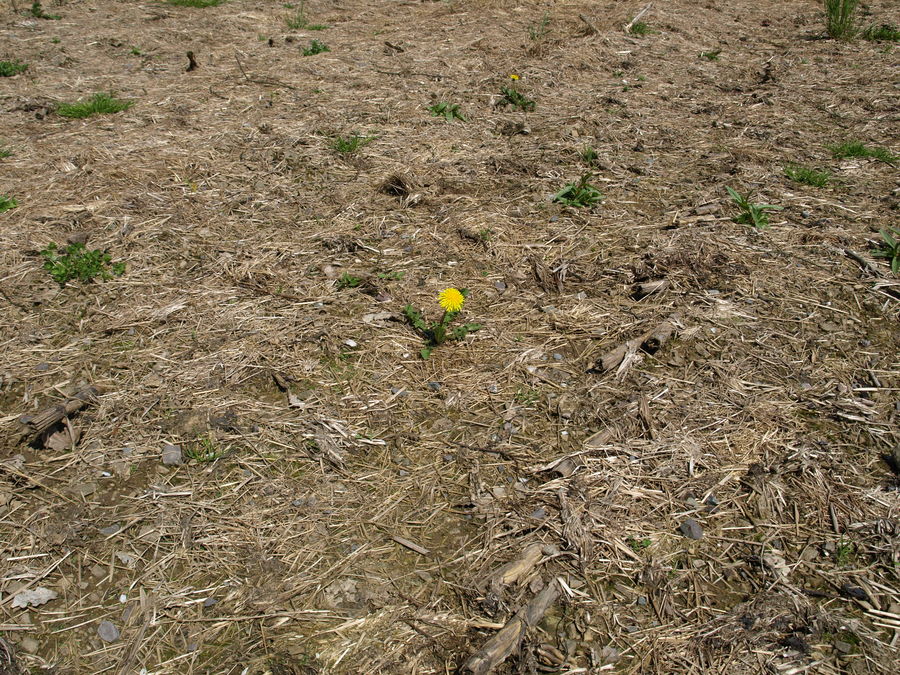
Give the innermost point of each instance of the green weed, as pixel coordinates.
(640, 28)
(890, 248)
(526, 396)
(516, 99)
(638, 544)
(5, 153)
(538, 31)
(315, 47)
(394, 275)
(135, 51)
(711, 55)
(299, 20)
(7, 203)
(98, 104)
(10, 68)
(883, 33)
(195, 3)
(204, 450)
(438, 332)
(449, 111)
(840, 22)
(858, 149)
(350, 144)
(843, 554)
(38, 13)
(751, 214)
(77, 262)
(802, 174)
(580, 194)
(589, 156)
(347, 280)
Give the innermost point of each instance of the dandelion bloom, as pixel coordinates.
(514, 77)
(451, 299)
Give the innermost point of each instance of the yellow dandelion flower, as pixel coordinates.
(451, 299)
(514, 77)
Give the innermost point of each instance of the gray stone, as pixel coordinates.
(691, 529)
(107, 631)
(30, 645)
(110, 529)
(172, 455)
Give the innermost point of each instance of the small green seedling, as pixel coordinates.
(859, 149)
(4, 152)
(75, 261)
(640, 28)
(38, 13)
(840, 22)
(436, 333)
(315, 47)
(638, 544)
(449, 111)
(580, 194)
(299, 20)
(589, 156)
(884, 33)
(807, 176)
(712, 55)
(7, 203)
(843, 554)
(516, 99)
(200, 4)
(136, 51)
(350, 144)
(347, 280)
(890, 248)
(751, 214)
(98, 104)
(538, 31)
(204, 450)
(393, 275)
(10, 68)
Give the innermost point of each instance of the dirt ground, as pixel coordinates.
(722, 500)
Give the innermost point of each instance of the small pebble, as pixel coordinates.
(209, 602)
(110, 529)
(558, 357)
(171, 455)
(539, 513)
(107, 631)
(434, 386)
(691, 529)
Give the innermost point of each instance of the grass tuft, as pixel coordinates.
(883, 33)
(640, 28)
(10, 68)
(350, 144)
(37, 11)
(807, 176)
(98, 104)
(840, 22)
(859, 149)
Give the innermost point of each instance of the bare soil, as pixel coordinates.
(723, 502)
